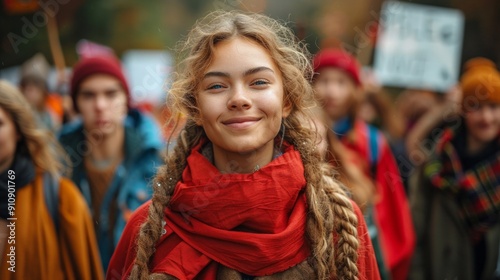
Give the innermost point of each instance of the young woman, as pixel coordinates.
(455, 195)
(338, 85)
(45, 226)
(244, 194)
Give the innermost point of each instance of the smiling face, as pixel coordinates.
(483, 124)
(240, 100)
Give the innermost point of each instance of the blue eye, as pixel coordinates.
(215, 87)
(260, 82)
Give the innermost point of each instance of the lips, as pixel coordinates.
(101, 122)
(240, 122)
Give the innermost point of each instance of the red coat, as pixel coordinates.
(392, 212)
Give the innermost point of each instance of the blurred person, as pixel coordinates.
(47, 106)
(34, 86)
(46, 232)
(455, 193)
(244, 194)
(426, 130)
(338, 86)
(412, 104)
(378, 109)
(345, 161)
(114, 149)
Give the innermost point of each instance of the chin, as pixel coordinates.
(487, 136)
(244, 147)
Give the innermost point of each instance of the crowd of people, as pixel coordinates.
(286, 166)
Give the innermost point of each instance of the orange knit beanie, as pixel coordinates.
(480, 82)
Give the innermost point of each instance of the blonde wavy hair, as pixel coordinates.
(330, 210)
(39, 144)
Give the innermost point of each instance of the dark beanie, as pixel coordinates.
(337, 58)
(97, 65)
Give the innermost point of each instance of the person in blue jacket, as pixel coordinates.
(114, 149)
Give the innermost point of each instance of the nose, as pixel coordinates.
(239, 99)
(487, 113)
(328, 89)
(100, 103)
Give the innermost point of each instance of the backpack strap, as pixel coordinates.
(373, 146)
(51, 195)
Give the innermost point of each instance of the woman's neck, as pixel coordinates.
(248, 162)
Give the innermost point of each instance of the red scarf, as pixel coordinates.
(253, 223)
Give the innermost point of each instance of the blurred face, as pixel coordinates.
(240, 99)
(102, 103)
(336, 91)
(8, 140)
(483, 124)
(367, 112)
(35, 96)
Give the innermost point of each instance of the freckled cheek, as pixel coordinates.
(209, 121)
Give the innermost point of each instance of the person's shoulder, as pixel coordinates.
(70, 195)
(139, 216)
(70, 130)
(357, 210)
(369, 129)
(144, 134)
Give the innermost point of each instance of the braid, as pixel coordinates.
(331, 218)
(163, 185)
(329, 210)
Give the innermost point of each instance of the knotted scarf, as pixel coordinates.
(477, 189)
(252, 223)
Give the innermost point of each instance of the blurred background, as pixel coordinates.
(141, 32)
(412, 55)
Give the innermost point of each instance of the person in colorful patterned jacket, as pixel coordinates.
(455, 195)
(338, 86)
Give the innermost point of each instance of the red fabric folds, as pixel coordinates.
(253, 223)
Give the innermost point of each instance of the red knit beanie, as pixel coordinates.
(337, 58)
(97, 65)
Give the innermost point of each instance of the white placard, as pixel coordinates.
(148, 72)
(418, 46)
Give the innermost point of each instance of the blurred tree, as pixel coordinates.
(93, 21)
(160, 24)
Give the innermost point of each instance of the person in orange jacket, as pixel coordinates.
(45, 227)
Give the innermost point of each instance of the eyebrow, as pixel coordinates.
(246, 73)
